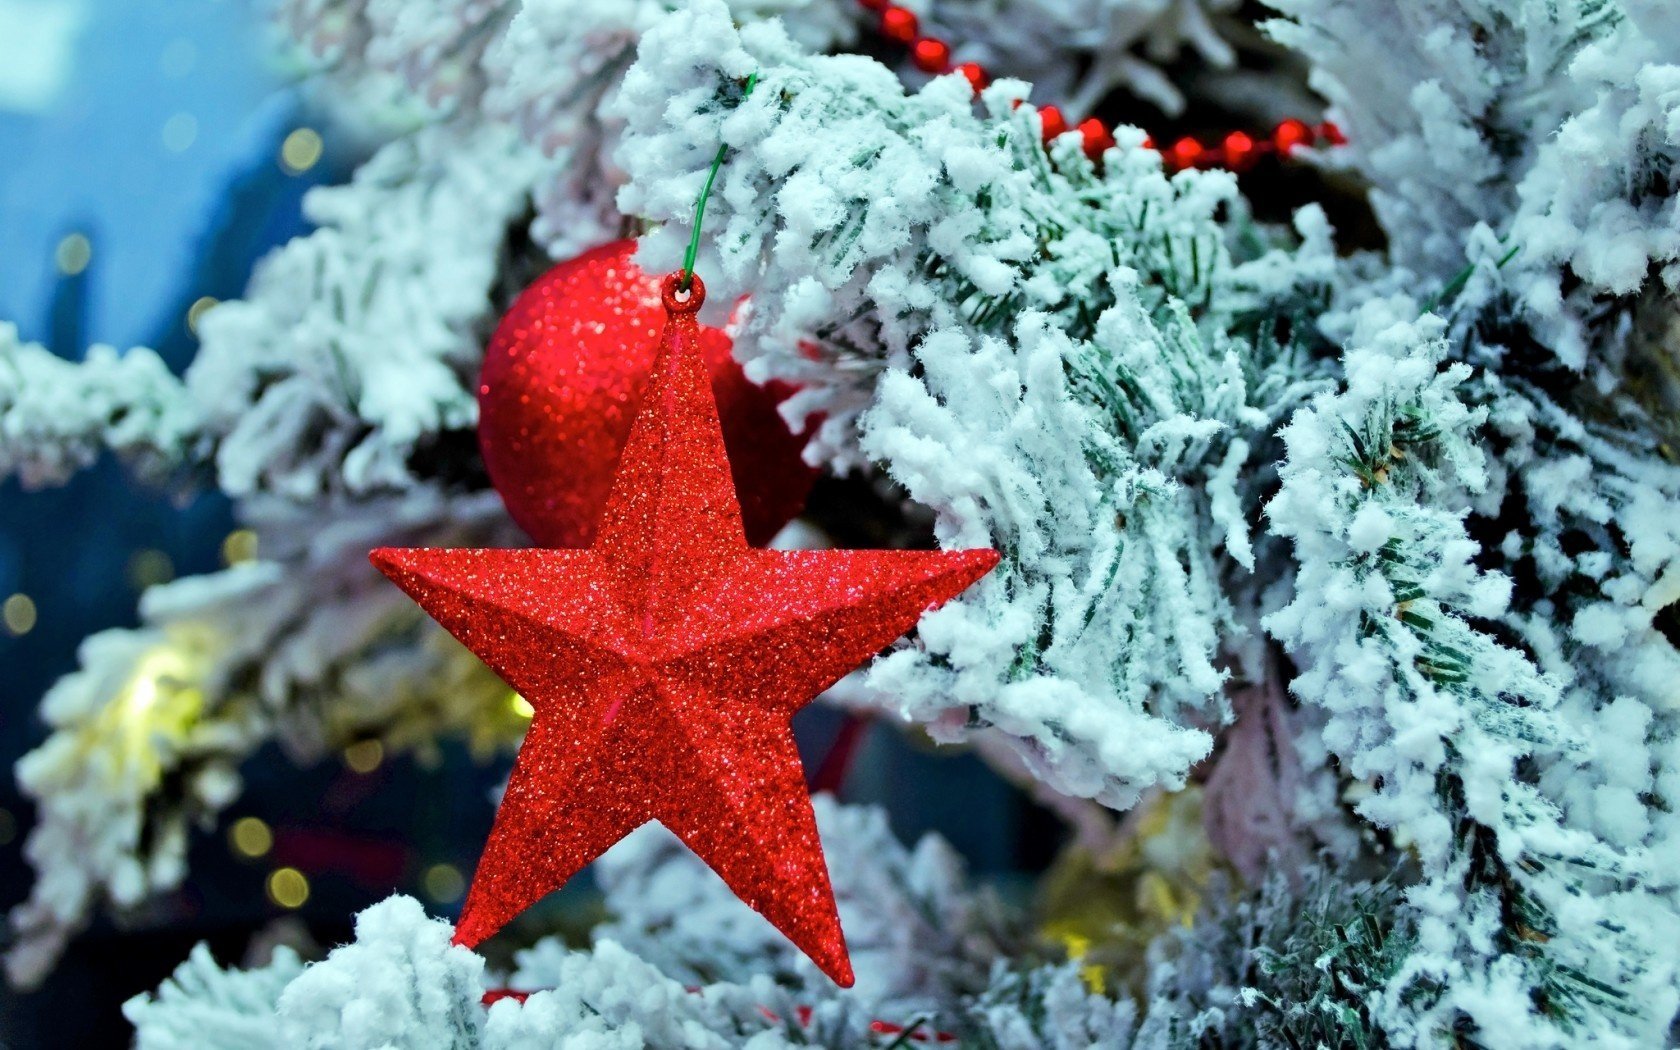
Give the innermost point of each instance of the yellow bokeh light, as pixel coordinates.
(142, 692)
(301, 151)
(73, 254)
(288, 887)
(153, 714)
(148, 567)
(239, 546)
(521, 706)
(159, 672)
(364, 756)
(18, 613)
(251, 837)
(443, 883)
(195, 312)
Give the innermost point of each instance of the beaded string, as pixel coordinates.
(1237, 151)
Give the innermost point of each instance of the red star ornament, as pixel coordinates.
(665, 663)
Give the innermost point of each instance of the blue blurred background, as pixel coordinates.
(150, 152)
(139, 175)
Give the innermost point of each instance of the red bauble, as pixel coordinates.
(563, 379)
(665, 663)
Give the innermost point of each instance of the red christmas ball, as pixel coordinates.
(562, 381)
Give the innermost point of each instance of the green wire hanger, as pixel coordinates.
(700, 205)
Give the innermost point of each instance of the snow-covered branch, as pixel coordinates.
(57, 416)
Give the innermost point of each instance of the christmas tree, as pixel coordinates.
(1330, 465)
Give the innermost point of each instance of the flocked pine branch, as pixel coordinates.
(402, 984)
(1484, 754)
(1048, 357)
(1295, 962)
(543, 67)
(1544, 126)
(1569, 238)
(57, 417)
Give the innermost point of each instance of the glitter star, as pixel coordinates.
(665, 663)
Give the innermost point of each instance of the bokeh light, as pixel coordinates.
(301, 151)
(195, 312)
(148, 567)
(443, 883)
(18, 613)
(73, 254)
(364, 756)
(251, 837)
(239, 546)
(288, 887)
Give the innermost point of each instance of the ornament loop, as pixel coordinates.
(672, 287)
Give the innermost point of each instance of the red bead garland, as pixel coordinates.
(930, 55)
(1051, 122)
(1185, 153)
(1095, 136)
(899, 24)
(1292, 135)
(976, 75)
(1238, 151)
